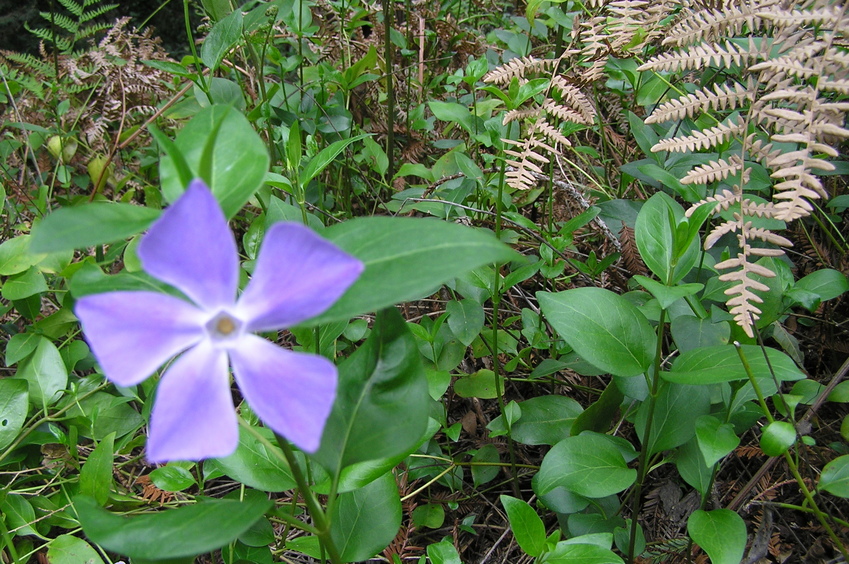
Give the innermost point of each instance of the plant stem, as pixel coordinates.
(791, 462)
(643, 466)
(322, 523)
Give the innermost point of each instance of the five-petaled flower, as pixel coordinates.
(298, 275)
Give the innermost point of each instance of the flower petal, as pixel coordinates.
(291, 392)
(298, 275)
(191, 247)
(134, 333)
(193, 416)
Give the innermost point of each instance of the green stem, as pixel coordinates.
(319, 517)
(791, 462)
(203, 85)
(643, 466)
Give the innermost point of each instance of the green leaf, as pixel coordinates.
(186, 531)
(716, 439)
(691, 466)
(673, 417)
(777, 437)
(256, 464)
(24, 285)
(19, 514)
(15, 256)
(20, 346)
(579, 553)
(835, 477)
(452, 112)
(690, 332)
(721, 533)
(658, 239)
(712, 365)
(667, 295)
(238, 160)
(443, 553)
(482, 384)
(46, 374)
(14, 405)
(96, 473)
(68, 549)
(172, 478)
(392, 248)
(326, 156)
(483, 473)
(364, 521)
(223, 35)
(545, 420)
(431, 515)
(588, 464)
(603, 328)
(382, 402)
(599, 416)
(89, 225)
(826, 283)
(465, 318)
(528, 528)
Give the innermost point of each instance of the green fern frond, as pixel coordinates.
(61, 21)
(97, 12)
(73, 7)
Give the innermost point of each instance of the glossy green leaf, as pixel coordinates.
(599, 415)
(20, 346)
(89, 225)
(527, 527)
(392, 248)
(68, 549)
(223, 35)
(174, 533)
(443, 553)
(24, 285)
(588, 464)
(667, 295)
(826, 283)
(716, 439)
(485, 464)
(691, 332)
(691, 466)
(382, 402)
(603, 328)
(430, 515)
(674, 416)
(14, 405)
(721, 533)
(19, 514)
(237, 161)
(658, 239)
(96, 473)
(545, 420)
(257, 464)
(483, 384)
(46, 374)
(777, 437)
(15, 256)
(579, 553)
(452, 112)
(712, 365)
(835, 477)
(465, 318)
(172, 478)
(365, 521)
(326, 156)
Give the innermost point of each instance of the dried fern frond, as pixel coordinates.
(723, 96)
(699, 56)
(714, 170)
(701, 139)
(708, 25)
(518, 67)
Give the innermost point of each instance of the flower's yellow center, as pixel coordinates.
(225, 326)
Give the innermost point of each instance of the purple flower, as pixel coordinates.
(298, 275)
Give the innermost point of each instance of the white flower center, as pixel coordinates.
(223, 327)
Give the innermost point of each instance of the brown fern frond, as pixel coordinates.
(576, 99)
(701, 139)
(521, 114)
(722, 97)
(550, 132)
(699, 56)
(714, 170)
(519, 68)
(710, 24)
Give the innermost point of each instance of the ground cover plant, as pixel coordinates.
(549, 282)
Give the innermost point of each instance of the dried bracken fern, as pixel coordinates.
(792, 66)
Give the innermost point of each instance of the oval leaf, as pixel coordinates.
(603, 328)
(588, 464)
(721, 534)
(89, 225)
